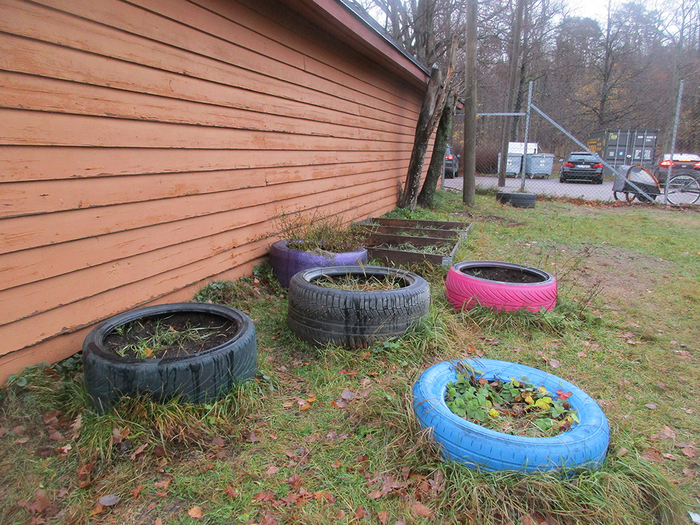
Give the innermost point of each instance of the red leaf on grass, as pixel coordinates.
(38, 504)
(421, 510)
(231, 492)
(295, 481)
(383, 517)
(265, 495)
(195, 512)
(138, 451)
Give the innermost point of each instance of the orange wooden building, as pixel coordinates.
(147, 146)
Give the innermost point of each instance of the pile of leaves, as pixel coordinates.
(514, 407)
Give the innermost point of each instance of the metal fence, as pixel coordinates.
(541, 142)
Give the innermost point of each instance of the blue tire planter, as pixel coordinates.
(286, 262)
(583, 446)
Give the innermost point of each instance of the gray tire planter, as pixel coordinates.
(517, 199)
(584, 445)
(354, 319)
(198, 377)
(464, 289)
(286, 261)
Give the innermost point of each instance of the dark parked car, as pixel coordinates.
(581, 165)
(683, 164)
(451, 164)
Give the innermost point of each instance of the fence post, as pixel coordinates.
(673, 140)
(523, 168)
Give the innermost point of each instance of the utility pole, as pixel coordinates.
(469, 181)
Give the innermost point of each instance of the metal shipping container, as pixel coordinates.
(624, 147)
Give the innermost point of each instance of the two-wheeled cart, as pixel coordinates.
(637, 182)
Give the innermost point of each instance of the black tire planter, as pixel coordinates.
(584, 445)
(466, 291)
(516, 199)
(286, 261)
(354, 319)
(197, 378)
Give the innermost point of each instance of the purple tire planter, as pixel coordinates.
(286, 262)
(466, 291)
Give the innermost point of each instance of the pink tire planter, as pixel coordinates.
(500, 286)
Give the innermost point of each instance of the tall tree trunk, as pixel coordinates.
(512, 84)
(469, 180)
(435, 169)
(424, 128)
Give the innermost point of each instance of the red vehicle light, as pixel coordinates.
(449, 157)
(697, 166)
(569, 164)
(599, 165)
(667, 163)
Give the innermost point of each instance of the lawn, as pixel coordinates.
(328, 435)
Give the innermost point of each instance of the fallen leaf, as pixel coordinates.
(138, 451)
(652, 455)
(158, 522)
(554, 363)
(252, 438)
(375, 494)
(110, 500)
(295, 481)
(97, 509)
(136, 491)
(360, 513)
(651, 406)
(195, 512)
(689, 451)
(324, 495)
(38, 504)
(421, 510)
(272, 470)
(159, 451)
(163, 484)
(347, 395)
(265, 495)
(670, 456)
(383, 517)
(231, 492)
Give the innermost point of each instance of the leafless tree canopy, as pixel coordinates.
(619, 73)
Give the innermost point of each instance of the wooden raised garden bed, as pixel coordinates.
(406, 241)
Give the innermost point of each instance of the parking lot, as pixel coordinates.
(551, 186)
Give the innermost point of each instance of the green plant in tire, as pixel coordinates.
(163, 338)
(320, 234)
(514, 407)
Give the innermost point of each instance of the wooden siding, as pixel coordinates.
(147, 147)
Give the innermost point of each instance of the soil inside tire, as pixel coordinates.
(506, 275)
(211, 331)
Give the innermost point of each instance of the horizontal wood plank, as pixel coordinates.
(21, 233)
(42, 163)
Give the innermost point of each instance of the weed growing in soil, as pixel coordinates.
(324, 234)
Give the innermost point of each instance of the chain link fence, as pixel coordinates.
(626, 155)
